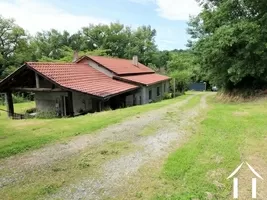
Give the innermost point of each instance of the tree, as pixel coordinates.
(229, 40)
(180, 67)
(51, 44)
(142, 44)
(12, 37)
(115, 40)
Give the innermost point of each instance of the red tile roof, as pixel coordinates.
(145, 79)
(82, 78)
(119, 66)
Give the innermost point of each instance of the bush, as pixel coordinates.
(167, 96)
(19, 99)
(31, 110)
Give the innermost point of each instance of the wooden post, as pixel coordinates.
(10, 106)
(100, 106)
(37, 80)
(134, 100)
(70, 104)
(174, 88)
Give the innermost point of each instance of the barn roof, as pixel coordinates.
(145, 79)
(119, 66)
(78, 77)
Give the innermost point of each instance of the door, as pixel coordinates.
(65, 111)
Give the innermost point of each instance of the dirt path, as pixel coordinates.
(116, 172)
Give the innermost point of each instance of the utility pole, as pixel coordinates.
(174, 88)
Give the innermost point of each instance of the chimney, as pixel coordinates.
(75, 56)
(135, 61)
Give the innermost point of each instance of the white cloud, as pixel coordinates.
(177, 9)
(174, 9)
(34, 15)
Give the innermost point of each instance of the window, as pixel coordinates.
(158, 91)
(150, 94)
(164, 87)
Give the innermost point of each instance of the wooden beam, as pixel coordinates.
(37, 89)
(10, 106)
(70, 104)
(37, 80)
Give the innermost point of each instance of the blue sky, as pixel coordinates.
(168, 17)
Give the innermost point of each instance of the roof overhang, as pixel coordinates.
(138, 83)
(26, 66)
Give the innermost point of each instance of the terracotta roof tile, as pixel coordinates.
(81, 77)
(146, 79)
(119, 66)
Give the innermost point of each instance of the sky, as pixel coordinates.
(168, 17)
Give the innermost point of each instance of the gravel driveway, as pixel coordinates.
(116, 172)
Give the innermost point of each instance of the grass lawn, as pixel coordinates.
(230, 134)
(18, 136)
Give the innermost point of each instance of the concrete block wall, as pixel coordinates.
(163, 88)
(46, 101)
(81, 102)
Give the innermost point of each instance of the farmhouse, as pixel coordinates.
(89, 84)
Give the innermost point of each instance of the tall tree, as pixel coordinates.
(12, 37)
(230, 40)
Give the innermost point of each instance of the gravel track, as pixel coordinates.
(116, 172)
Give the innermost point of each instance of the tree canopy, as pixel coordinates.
(230, 42)
(115, 40)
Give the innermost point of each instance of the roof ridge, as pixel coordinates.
(54, 63)
(110, 57)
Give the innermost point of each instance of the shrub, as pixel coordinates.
(19, 99)
(107, 108)
(167, 96)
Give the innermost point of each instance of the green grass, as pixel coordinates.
(174, 115)
(148, 130)
(23, 135)
(231, 133)
(47, 180)
(192, 102)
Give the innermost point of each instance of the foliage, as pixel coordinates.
(183, 69)
(229, 40)
(167, 96)
(18, 98)
(12, 43)
(114, 40)
(181, 79)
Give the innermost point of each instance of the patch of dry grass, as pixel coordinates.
(46, 180)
